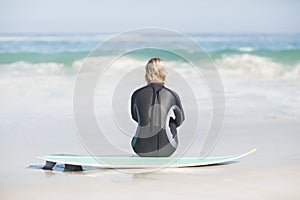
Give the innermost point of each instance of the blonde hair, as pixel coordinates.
(155, 71)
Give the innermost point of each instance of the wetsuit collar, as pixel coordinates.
(157, 86)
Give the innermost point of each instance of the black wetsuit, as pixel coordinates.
(151, 107)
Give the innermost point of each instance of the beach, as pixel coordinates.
(262, 96)
(270, 173)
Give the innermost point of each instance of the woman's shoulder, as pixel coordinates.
(140, 89)
(172, 91)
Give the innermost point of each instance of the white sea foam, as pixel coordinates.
(246, 49)
(48, 75)
(285, 117)
(30, 69)
(256, 67)
(240, 67)
(32, 91)
(243, 66)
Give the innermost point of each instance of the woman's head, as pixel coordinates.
(156, 71)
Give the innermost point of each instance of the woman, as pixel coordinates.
(152, 107)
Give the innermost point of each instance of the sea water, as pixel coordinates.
(260, 73)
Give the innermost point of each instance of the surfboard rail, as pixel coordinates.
(137, 162)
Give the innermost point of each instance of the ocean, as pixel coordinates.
(38, 74)
(265, 54)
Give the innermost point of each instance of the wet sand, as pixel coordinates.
(270, 173)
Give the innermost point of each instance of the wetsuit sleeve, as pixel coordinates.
(179, 113)
(133, 110)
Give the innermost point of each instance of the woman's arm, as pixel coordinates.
(178, 111)
(133, 108)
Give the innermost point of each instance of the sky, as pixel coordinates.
(201, 16)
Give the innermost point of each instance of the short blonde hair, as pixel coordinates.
(156, 71)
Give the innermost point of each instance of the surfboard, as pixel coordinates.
(75, 163)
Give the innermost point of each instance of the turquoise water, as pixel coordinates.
(263, 54)
(285, 57)
(67, 48)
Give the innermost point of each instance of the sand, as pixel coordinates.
(273, 172)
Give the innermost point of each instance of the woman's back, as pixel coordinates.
(152, 107)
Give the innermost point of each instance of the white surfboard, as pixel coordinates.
(75, 163)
